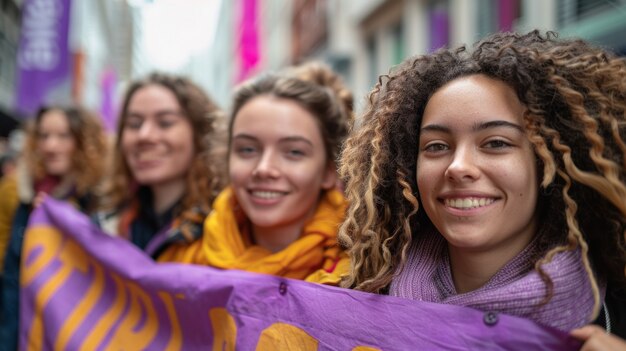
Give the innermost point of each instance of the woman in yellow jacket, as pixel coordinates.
(63, 159)
(281, 212)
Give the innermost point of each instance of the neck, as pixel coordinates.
(278, 238)
(473, 269)
(165, 195)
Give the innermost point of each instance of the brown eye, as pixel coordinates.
(497, 144)
(436, 147)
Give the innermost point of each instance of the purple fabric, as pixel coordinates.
(516, 289)
(43, 57)
(336, 319)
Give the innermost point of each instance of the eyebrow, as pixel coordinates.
(476, 127)
(281, 140)
(158, 113)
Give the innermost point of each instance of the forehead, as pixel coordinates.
(473, 99)
(275, 117)
(153, 97)
(53, 120)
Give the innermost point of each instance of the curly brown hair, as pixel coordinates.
(88, 134)
(575, 118)
(316, 88)
(205, 177)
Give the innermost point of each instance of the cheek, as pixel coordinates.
(521, 175)
(238, 171)
(309, 174)
(425, 177)
(126, 142)
(70, 147)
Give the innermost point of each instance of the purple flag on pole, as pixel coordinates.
(108, 107)
(439, 28)
(43, 57)
(249, 53)
(81, 289)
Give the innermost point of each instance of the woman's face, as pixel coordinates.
(157, 138)
(476, 169)
(277, 162)
(55, 143)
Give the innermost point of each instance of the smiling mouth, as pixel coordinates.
(148, 157)
(468, 203)
(263, 194)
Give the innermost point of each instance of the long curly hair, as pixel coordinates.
(317, 89)
(575, 119)
(205, 177)
(91, 144)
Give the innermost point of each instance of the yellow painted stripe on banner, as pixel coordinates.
(106, 322)
(176, 339)
(43, 296)
(82, 309)
(125, 337)
(49, 240)
(224, 329)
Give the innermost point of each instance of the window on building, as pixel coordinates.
(571, 11)
(372, 59)
(399, 47)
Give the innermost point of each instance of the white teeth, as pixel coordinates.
(267, 194)
(468, 202)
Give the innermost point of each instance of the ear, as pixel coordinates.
(329, 178)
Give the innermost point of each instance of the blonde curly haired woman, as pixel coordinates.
(62, 158)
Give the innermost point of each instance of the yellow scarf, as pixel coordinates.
(315, 256)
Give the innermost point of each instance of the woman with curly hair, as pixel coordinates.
(281, 212)
(62, 158)
(494, 178)
(166, 165)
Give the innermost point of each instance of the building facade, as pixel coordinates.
(10, 18)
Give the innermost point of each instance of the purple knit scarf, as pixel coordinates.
(516, 289)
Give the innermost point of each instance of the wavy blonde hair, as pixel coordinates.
(86, 130)
(205, 177)
(575, 96)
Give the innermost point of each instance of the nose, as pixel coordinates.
(267, 167)
(50, 143)
(464, 166)
(146, 131)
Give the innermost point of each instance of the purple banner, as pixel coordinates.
(108, 105)
(43, 57)
(439, 28)
(249, 53)
(81, 289)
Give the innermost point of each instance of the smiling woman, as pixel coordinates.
(62, 158)
(494, 179)
(167, 165)
(281, 212)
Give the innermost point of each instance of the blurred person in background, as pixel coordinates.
(8, 162)
(62, 158)
(8, 189)
(281, 212)
(167, 164)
